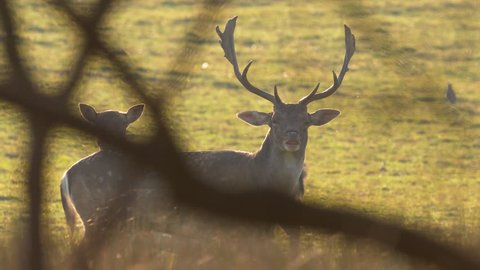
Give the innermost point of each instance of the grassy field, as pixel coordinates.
(398, 151)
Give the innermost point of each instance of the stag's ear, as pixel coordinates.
(134, 113)
(321, 117)
(255, 118)
(88, 112)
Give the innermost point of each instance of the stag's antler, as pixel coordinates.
(228, 45)
(337, 81)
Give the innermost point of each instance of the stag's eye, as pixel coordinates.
(275, 123)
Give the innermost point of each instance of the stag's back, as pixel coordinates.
(229, 171)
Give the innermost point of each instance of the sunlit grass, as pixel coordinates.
(398, 151)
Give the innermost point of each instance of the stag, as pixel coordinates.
(278, 165)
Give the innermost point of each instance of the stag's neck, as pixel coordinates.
(276, 164)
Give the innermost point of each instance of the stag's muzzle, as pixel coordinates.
(291, 141)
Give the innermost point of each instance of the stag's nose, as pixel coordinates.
(292, 134)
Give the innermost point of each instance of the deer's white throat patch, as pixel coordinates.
(288, 174)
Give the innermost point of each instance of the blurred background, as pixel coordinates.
(400, 150)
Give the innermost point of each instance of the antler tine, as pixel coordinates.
(337, 81)
(228, 46)
(278, 100)
(309, 96)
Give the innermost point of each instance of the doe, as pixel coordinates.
(94, 181)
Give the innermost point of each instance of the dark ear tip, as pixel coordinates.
(334, 113)
(240, 115)
(139, 106)
(88, 112)
(84, 106)
(136, 108)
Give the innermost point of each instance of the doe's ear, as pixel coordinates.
(88, 112)
(321, 117)
(134, 113)
(255, 118)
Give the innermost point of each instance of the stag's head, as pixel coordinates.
(113, 121)
(288, 122)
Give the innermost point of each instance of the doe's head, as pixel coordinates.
(113, 121)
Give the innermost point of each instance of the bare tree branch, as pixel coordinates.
(88, 46)
(12, 46)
